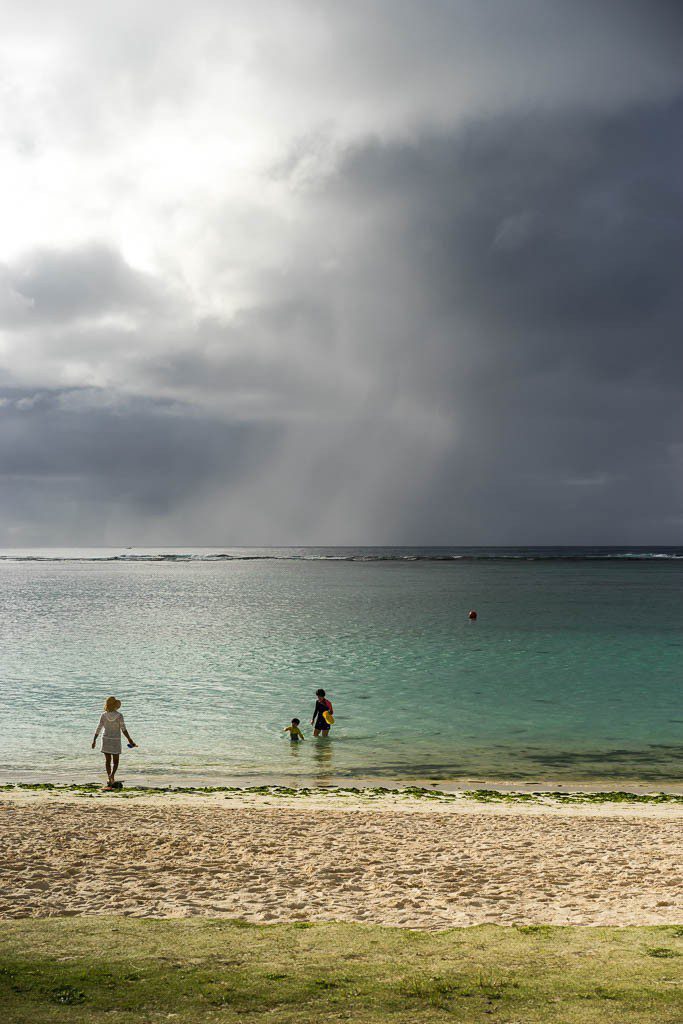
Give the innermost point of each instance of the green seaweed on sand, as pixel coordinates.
(605, 797)
(365, 793)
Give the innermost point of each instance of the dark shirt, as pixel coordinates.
(320, 707)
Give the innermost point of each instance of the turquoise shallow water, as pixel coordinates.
(572, 671)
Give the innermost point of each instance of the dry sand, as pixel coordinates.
(390, 861)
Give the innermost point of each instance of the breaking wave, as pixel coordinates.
(351, 555)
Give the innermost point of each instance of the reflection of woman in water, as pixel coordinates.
(322, 761)
(112, 725)
(322, 708)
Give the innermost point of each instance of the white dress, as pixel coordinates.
(111, 723)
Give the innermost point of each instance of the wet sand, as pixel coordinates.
(391, 860)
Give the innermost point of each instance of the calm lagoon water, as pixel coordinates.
(572, 671)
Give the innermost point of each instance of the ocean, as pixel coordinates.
(571, 672)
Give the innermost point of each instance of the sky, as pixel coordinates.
(341, 272)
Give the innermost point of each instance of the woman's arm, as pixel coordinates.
(98, 730)
(125, 732)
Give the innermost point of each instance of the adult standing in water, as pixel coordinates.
(322, 715)
(112, 725)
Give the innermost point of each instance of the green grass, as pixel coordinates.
(117, 970)
(408, 792)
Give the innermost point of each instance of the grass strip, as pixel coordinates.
(74, 970)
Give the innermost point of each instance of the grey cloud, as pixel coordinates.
(441, 385)
(560, 354)
(461, 325)
(131, 462)
(557, 235)
(389, 64)
(271, 360)
(56, 285)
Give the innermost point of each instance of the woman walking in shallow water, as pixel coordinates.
(112, 725)
(322, 715)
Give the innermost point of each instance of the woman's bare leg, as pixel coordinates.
(115, 758)
(107, 764)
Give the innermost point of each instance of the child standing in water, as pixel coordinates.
(323, 709)
(295, 733)
(112, 724)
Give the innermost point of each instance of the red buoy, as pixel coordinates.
(472, 615)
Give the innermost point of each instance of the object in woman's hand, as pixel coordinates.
(131, 745)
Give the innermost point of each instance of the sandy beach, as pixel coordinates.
(393, 860)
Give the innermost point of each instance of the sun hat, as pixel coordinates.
(112, 704)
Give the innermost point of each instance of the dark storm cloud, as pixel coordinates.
(556, 240)
(547, 257)
(445, 307)
(134, 460)
(548, 260)
(505, 314)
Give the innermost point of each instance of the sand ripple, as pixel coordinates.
(297, 861)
